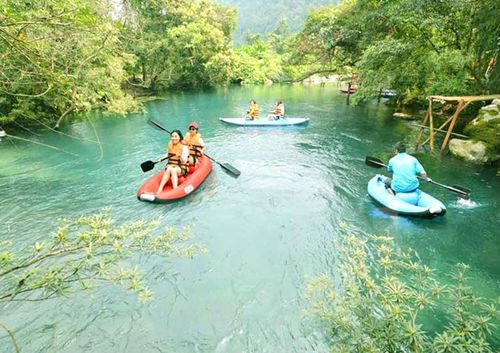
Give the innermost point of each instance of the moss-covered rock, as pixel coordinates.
(485, 128)
(470, 150)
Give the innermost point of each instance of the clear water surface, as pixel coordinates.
(267, 232)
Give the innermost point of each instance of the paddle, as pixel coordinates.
(457, 189)
(148, 165)
(225, 166)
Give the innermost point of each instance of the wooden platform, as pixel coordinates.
(462, 102)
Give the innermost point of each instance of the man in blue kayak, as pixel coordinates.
(404, 169)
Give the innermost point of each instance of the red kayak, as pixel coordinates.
(186, 185)
(353, 89)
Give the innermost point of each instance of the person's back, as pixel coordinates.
(405, 169)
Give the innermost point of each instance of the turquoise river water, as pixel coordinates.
(267, 232)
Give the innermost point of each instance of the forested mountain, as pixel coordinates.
(261, 16)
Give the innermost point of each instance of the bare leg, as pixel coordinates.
(164, 180)
(175, 179)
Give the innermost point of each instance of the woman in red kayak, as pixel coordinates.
(177, 163)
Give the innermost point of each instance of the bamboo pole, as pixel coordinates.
(348, 93)
(463, 102)
(442, 126)
(440, 130)
(461, 106)
(419, 136)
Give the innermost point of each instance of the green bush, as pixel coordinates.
(382, 300)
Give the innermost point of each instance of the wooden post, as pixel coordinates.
(462, 102)
(431, 125)
(442, 131)
(348, 93)
(419, 136)
(460, 107)
(442, 125)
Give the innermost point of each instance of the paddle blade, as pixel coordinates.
(462, 189)
(374, 162)
(157, 125)
(462, 192)
(147, 166)
(229, 169)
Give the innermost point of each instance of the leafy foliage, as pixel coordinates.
(59, 57)
(182, 44)
(258, 62)
(84, 253)
(415, 47)
(386, 298)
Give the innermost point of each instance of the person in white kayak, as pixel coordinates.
(278, 112)
(253, 111)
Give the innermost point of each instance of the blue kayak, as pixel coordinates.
(416, 203)
(265, 121)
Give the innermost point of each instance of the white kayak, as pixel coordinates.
(265, 121)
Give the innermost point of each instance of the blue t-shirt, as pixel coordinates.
(405, 169)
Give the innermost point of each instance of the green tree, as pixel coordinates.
(183, 43)
(257, 62)
(262, 16)
(441, 37)
(59, 58)
(193, 49)
(278, 38)
(331, 41)
(418, 47)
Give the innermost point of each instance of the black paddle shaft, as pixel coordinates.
(457, 189)
(148, 165)
(225, 166)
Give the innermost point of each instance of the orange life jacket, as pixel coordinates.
(193, 141)
(279, 110)
(254, 111)
(175, 151)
